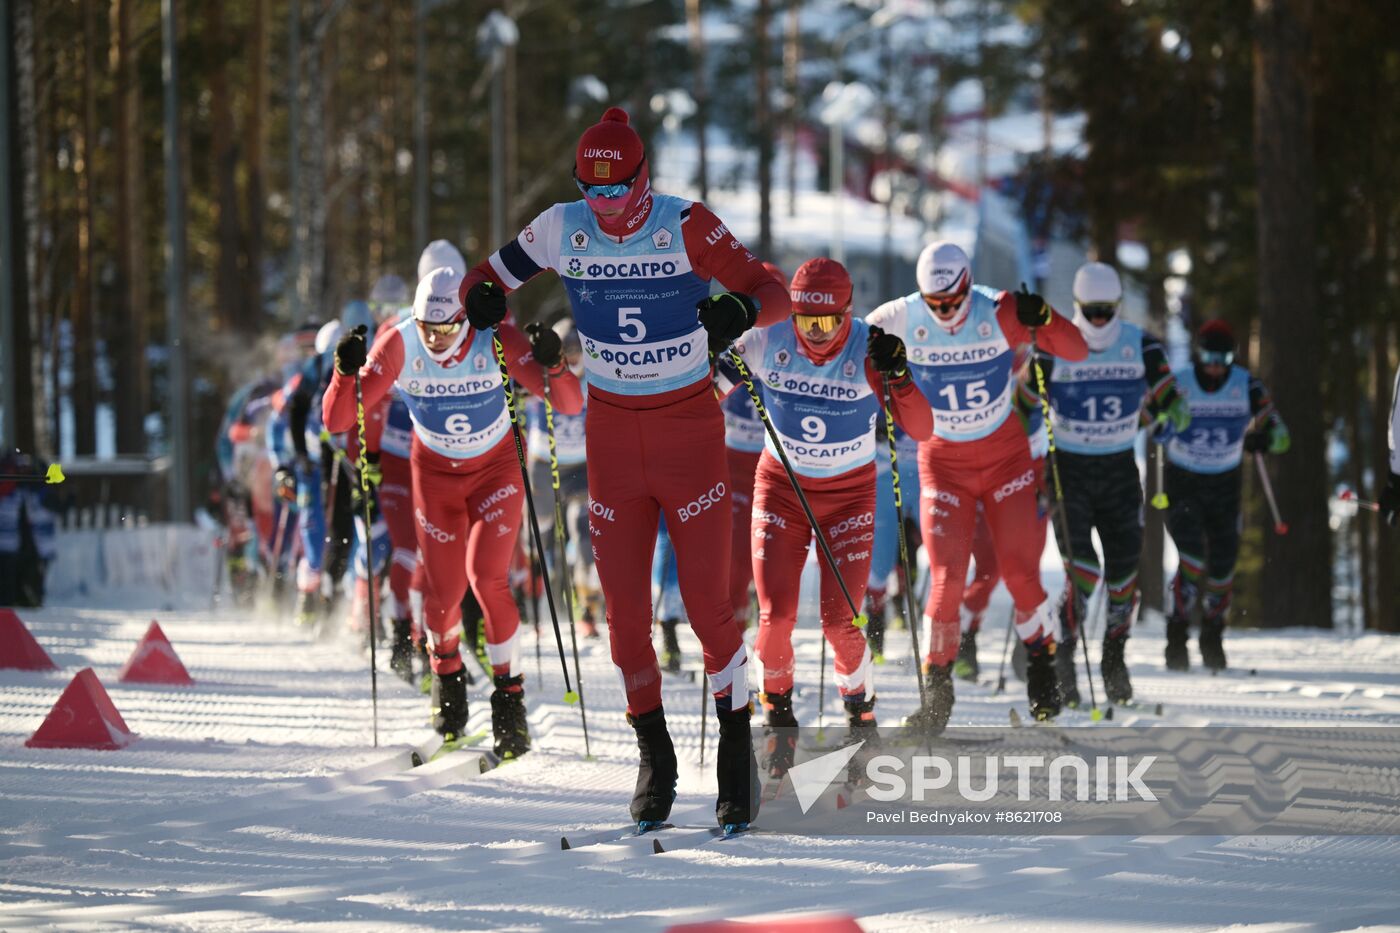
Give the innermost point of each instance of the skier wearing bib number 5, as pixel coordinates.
(961, 342)
(637, 268)
(823, 376)
(467, 497)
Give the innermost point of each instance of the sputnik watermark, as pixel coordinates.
(1117, 778)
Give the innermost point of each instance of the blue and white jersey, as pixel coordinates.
(397, 439)
(1096, 402)
(459, 411)
(824, 414)
(742, 429)
(1214, 443)
(966, 376)
(569, 443)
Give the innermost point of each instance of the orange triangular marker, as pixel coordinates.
(155, 662)
(18, 649)
(83, 717)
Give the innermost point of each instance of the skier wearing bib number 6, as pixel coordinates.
(961, 342)
(637, 268)
(467, 497)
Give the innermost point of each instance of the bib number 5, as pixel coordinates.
(630, 326)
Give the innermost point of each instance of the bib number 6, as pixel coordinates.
(458, 424)
(630, 326)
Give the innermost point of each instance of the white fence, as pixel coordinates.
(147, 566)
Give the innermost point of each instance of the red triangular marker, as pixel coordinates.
(155, 662)
(83, 717)
(18, 649)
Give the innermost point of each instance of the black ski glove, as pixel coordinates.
(351, 352)
(886, 352)
(1257, 442)
(1390, 499)
(1031, 309)
(545, 345)
(486, 305)
(725, 317)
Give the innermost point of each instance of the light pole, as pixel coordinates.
(497, 34)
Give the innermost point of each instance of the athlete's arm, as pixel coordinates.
(716, 254)
(564, 392)
(911, 410)
(1261, 406)
(524, 257)
(376, 379)
(1161, 384)
(1060, 337)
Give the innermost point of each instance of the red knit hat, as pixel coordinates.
(609, 151)
(821, 286)
(1216, 335)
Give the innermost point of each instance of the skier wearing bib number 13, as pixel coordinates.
(961, 342)
(637, 268)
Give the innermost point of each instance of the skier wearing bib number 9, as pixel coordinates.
(961, 341)
(467, 496)
(1096, 404)
(823, 376)
(637, 268)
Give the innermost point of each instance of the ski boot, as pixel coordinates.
(309, 607)
(449, 699)
(1117, 686)
(965, 666)
(670, 646)
(1211, 643)
(656, 772)
(508, 725)
(1177, 658)
(736, 770)
(780, 734)
(860, 717)
(1042, 687)
(1065, 672)
(875, 627)
(401, 652)
(932, 717)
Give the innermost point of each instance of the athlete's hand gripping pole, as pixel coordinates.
(1280, 526)
(908, 587)
(561, 541)
(1095, 713)
(369, 547)
(570, 696)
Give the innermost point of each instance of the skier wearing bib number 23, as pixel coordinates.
(637, 268)
(962, 342)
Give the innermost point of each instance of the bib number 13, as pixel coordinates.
(974, 395)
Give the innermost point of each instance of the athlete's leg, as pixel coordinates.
(1011, 504)
(1186, 523)
(846, 515)
(781, 538)
(441, 523)
(947, 521)
(1118, 517)
(396, 501)
(986, 574)
(742, 467)
(496, 506)
(1081, 483)
(1222, 534)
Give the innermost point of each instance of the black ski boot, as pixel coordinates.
(1211, 642)
(932, 717)
(449, 699)
(860, 718)
(736, 771)
(1042, 686)
(508, 726)
(310, 607)
(670, 646)
(875, 625)
(401, 653)
(779, 733)
(1177, 657)
(965, 667)
(1065, 673)
(1116, 684)
(656, 772)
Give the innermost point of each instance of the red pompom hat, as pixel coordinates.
(609, 153)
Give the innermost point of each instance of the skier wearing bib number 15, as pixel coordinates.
(637, 268)
(824, 375)
(961, 342)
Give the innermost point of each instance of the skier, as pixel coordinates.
(1231, 415)
(635, 264)
(467, 496)
(824, 374)
(962, 341)
(1097, 404)
(1389, 498)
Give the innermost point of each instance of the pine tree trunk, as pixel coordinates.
(254, 153)
(229, 293)
(1297, 579)
(23, 216)
(82, 317)
(698, 91)
(129, 347)
(763, 122)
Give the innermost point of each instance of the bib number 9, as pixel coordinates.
(813, 429)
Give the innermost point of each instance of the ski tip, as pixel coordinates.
(656, 847)
(415, 759)
(861, 620)
(564, 844)
(571, 698)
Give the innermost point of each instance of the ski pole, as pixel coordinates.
(1350, 496)
(570, 696)
(365, 505)
(532, 602)
(561, 541)
(858, 618)
(52, 477)
(1160, 500)
(1280, 526)
(1095, 714)
(908, 586)
(1005, 650)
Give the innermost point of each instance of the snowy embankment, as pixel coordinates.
(253, 800)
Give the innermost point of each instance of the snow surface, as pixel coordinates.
(254, 801)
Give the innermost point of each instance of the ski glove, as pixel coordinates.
(485, 303)
(286, 482)
(1271, 439)
(351, 352)
(1031, 309)
(1389, 500)
(886, 352)
(371, 469)
(725, 317)
(545, 344)
(1177, 414)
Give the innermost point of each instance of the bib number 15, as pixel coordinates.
(974, 395)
